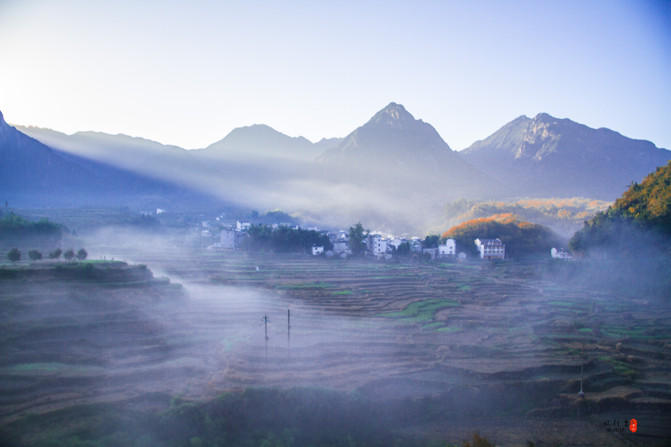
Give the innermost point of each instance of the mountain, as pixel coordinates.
(327, 143)
(261, 141)
(33, 174)
(547, 156)
(398, 152)
(29, 168)
(134, 154)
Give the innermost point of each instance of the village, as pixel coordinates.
(375, 244)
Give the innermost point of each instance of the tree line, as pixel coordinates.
(14, 254)
(637, 224)
(283, 239)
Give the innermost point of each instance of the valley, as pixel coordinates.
(484, 344)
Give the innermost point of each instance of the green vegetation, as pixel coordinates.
(34, 255)
(522, 239)
(283, 239)
(421, 311)
(356, 237)
(342, 292)
(305, 285)
(638, 224)
(13, 225)
(14, 255)
(619, 367)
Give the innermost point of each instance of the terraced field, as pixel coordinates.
(485, 341)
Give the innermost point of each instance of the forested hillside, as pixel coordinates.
(638, 223)
(522, 239)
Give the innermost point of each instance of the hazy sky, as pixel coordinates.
(187, 73)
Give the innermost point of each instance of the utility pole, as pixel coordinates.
(581, 393)
(266, 320)
(288, 328)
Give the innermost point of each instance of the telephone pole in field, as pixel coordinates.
(266, 320)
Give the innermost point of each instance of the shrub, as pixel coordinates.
(56, 254)
(14, 255)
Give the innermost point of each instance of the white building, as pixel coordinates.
(491, 248)
(397, 241)
(242, 225)
(317, 250)
(227, 238)
(377, 244)
(560, 254)
(449, 248)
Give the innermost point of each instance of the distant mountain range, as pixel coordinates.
(407, 155)
(550, 157)
(394, 167)
(33, 174)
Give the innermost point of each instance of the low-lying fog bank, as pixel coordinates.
(453, 342)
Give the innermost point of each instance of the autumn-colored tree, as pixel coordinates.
(638, 223)
(521, 238)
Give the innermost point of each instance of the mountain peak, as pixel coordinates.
(394, 115)
(262, 140)
(544, 117)
(559, 157)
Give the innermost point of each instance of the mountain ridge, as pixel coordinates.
(562, 158)
(392, 167)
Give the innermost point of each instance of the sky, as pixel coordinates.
(187, 73)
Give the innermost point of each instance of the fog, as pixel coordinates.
(447, 346)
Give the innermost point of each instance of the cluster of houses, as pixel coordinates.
(382, 247)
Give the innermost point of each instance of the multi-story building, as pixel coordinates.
(491, 248)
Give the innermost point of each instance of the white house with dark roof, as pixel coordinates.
(491, 248)
(449, 248)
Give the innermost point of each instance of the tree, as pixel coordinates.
(431, 241)
(81, 254)
(356, 237)
(34, 255)
(403, 249)
(637, 224)
(56, 254)
(69, 254)
(14, 255)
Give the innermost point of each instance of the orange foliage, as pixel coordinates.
(504, 218)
